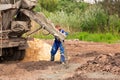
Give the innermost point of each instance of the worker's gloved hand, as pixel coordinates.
(57, 37)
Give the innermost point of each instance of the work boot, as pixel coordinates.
(62, 62)
(52, 58)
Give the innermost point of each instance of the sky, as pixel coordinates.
(91, 1)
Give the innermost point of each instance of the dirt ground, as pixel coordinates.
(86, 61)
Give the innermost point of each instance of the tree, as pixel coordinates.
(111, 7)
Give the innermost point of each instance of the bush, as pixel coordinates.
(49, 5)
(114, 24)
(79, 16)
(93, 20)
(71, 6)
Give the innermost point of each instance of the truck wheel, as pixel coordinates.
(7, 54)
(16, 55)
(22, 52)
(12, 54)
(19, 54)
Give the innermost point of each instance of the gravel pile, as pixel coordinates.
(103, 62)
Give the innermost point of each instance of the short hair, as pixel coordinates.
(57, 26)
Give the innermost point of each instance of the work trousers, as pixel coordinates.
(57, 44)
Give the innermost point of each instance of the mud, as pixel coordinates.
(103, 62)
(79, 77)
(87, 61)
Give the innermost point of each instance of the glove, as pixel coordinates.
(56, 35)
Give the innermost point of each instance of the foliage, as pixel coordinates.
(114, 24)
(71, 6)
(81, 16)
(49, 5)
(38, 7)
(70, 22)
(94, 19)
(111, 6)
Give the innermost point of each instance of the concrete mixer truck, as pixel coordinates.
(15, 20)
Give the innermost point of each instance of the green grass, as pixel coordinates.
(85, 36)
(95, 37)
(42, 36)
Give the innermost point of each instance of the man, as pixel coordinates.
(58, 44)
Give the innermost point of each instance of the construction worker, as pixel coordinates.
(58, 44)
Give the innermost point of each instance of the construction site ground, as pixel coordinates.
(86, 61)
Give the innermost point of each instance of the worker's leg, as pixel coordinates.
(54, 50)
(62, 51)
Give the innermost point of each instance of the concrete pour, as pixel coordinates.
(39, 50)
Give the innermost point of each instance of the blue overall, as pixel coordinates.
(58, 44)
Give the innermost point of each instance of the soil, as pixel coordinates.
(86, 61)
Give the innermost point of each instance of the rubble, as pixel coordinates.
(103, 62)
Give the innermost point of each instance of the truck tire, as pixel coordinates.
(12, 54)
(22, 55)
(19, 54)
